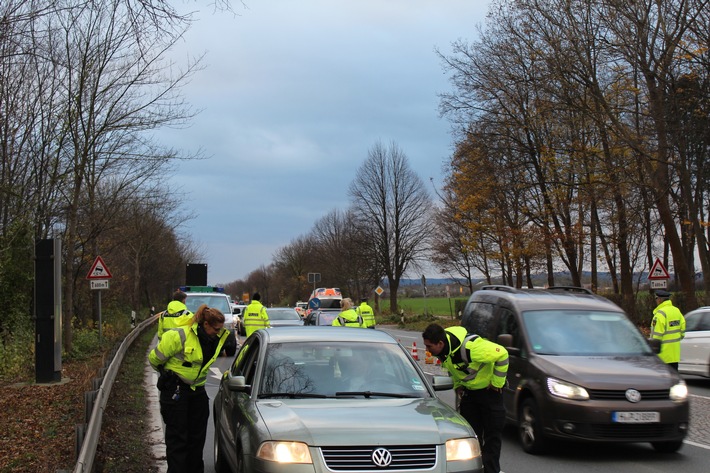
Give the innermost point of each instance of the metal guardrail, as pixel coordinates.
(87, 435)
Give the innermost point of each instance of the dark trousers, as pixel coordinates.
(185, 428)
(485, 411)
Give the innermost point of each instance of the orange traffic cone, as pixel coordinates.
(438, 361)
(414, 351)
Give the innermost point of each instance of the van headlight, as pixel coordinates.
(462, 449)
(679, 392)
(566, 390)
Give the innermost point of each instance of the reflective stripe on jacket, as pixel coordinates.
(348, 318)
(488, 365)
(668, 326)
(255, 318)
(179, 351)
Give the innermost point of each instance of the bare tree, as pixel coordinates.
(390, 202)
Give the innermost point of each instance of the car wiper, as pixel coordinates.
(369, 394)
(292, 395)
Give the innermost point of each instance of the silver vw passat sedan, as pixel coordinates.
(323, 399)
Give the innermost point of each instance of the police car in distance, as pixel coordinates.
(215, 297)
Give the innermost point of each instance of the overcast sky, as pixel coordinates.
(293, 96)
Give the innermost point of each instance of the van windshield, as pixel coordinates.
(583, 333)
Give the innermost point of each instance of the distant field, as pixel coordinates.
(430, 305)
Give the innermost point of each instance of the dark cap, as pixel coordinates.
(364, 299)
(663, 294)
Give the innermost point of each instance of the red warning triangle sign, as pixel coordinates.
(658, 271)
(99, 270)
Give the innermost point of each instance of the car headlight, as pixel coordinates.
(284, 452)
(679, 392)
(462, 449)
(566, 390)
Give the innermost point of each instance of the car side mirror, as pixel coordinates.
(236, 311)
(655, 345)
(442, 383)
(238, 384)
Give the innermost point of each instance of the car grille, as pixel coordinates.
(648, 395)
(419, 457)
(633, 431)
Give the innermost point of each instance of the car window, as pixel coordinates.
(246, 361)
(283, 314)
(326, 318)
(507, 323)
(478, 319)
(697, 321)
(579, 332)
(323, 368)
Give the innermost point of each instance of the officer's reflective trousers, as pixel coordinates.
(185, 428)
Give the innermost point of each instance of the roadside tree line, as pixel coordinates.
(581, 144)
(83, 88)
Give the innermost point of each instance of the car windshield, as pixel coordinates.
(326, 318)
(283, 314)
(345, 369)
(583, 333)
(219, 302)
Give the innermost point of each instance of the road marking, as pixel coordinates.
(699, 396)
(696, 444)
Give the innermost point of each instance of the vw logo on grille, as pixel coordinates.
(633, 395)
(381, 457)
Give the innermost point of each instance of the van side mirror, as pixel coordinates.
(505, 340)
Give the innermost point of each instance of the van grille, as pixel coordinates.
(647, 395)
(418, 457)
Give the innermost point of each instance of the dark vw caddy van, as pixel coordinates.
(579, 369)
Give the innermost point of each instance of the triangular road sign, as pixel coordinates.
(99, 270)
(658, 271)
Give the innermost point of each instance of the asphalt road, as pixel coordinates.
(694, 457)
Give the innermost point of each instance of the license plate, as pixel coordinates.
(635, 417)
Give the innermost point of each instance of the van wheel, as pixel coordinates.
(530, 428)
(667, 447)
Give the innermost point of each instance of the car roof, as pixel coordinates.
(318, 333)
(545, 299)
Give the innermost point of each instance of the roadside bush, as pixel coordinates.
(17, 355)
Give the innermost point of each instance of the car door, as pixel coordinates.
(695, 347)
(507, 323)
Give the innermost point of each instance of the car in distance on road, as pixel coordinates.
(281, 316)
(301, 399)
(321, 317)
(214, 296)
(695, 346)
(579, 369)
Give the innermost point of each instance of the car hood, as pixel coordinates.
(609, 373)
(336, 422)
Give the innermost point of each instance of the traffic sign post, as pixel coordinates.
(98, 276)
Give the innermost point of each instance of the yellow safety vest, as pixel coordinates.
(179, 351)
(367, 314)
(175, 316)
(668, 326)
(348, 318)
(255, 318)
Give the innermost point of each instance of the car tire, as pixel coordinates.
(667, 447)
(530, 428)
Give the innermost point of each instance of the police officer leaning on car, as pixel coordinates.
(668, 326)
(183, 358)
(479, 368)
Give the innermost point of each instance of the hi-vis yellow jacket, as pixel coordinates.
(179, 351)
(668, 326)
(474, 363)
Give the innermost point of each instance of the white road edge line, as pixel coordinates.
(696, 444)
